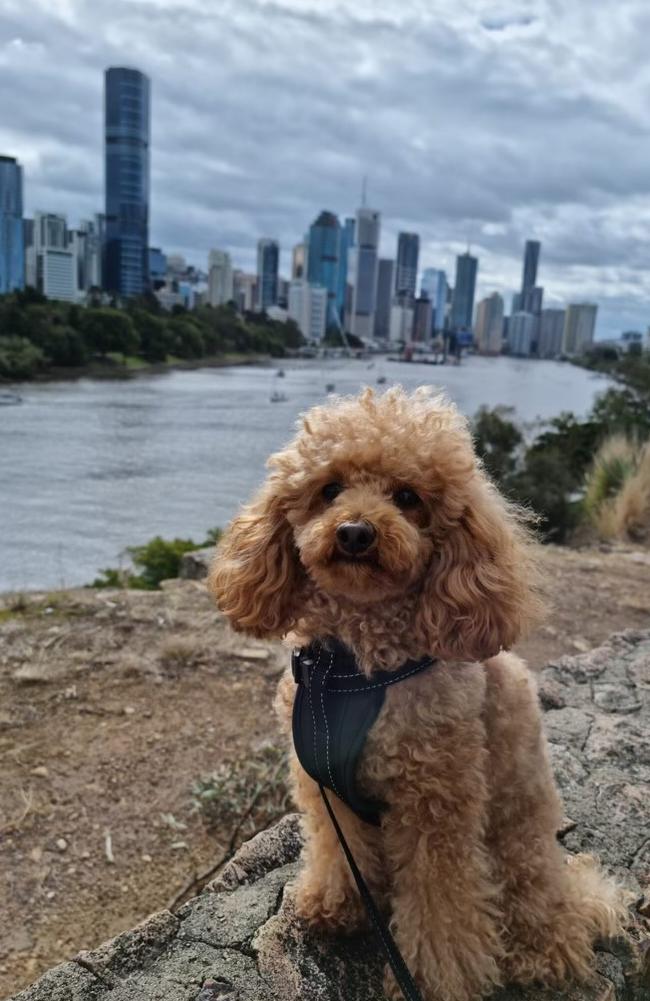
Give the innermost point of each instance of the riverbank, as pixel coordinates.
(132, 367)
(113, 703)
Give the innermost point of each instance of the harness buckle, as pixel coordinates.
(300, 667)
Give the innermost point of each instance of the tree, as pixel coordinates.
(19, 358)
(496, 440)
(154, 334)
(109, 330)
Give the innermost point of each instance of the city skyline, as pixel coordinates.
(532, 157)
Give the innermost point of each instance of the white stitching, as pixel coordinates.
(311, 706)
(327, 729)
(382, 684)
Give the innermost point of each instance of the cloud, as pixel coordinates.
(479, 121)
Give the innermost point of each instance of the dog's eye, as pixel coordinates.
(406, 498)
(331, 491)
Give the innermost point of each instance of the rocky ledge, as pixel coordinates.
(240, 940)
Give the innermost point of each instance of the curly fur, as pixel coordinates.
(466, 859)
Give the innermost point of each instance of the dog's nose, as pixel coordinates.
(355, 537)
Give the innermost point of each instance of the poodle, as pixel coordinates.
(465, 860)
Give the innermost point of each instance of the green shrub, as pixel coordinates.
(19, 359)
(157, 560)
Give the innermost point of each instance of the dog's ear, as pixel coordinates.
(256, 571)
(482, 589)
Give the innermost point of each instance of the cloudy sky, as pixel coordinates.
(478, 121)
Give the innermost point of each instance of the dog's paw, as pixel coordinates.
(334, 909)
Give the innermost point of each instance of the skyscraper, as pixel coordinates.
(579, 326)
(434, 283)
(345, 285)
(323, 262)
(406, 267)
(364, 279)
(384, 297)
(531, 300)
(462, 305)
(522, 333)
(268, 260)
(51, 259)
(298, 261)
(551, 330)
(529, 273)
(422, 314)
(489, 325)
(220, 278)
(127, 113)
(12, 251)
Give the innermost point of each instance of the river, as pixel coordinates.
(92, 466)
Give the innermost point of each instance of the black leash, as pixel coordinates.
(400, 970)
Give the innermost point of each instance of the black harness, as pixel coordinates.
(334, 709)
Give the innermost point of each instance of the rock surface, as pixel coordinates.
(196, 564)
(240, 940)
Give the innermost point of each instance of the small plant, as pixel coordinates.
(245, 796)
(157, 560)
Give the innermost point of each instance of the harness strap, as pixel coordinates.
(400, 970)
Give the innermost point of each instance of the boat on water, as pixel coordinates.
(330, 387)
(277, 397)
(9, 399)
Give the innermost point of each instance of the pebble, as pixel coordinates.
(146, 858)
(41, 771)
(50, 894)
(61, 844)
(129, 711)
(85, 855)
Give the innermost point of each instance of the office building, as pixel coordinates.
(531, 300)
(422, 319)
(157, 267)
(462, 305)
(488, 331)
(12, 247)
(298, 261)
(220, 278)
(87, 243)
(127, 115)
(364, 273)
(406, 264)
(268, 260)
(323, 262)
(385, 272)
(529, 272)
(345, 281)
(245, 291)
(579, 327)
(308, 307)
(50, 258)
(551, 331)
(434, 285)
(401, 318)
(522, 333)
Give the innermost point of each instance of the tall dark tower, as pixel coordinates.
(462, 303)
(531, 260)
(406, 265)
(126, 119)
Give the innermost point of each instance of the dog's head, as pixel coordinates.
(376, 497)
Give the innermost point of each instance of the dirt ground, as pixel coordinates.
(112, 704)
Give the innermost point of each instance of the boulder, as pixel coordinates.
(241, 940)
(196, 564)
